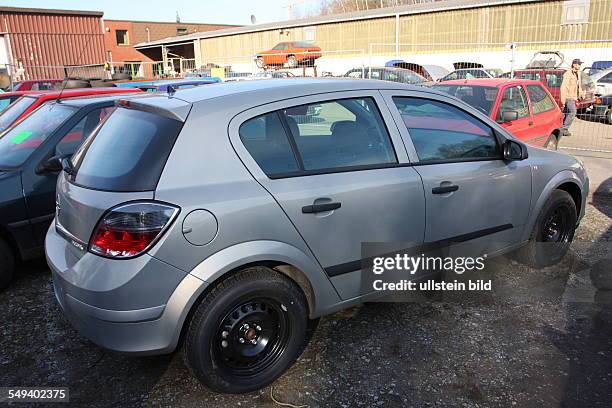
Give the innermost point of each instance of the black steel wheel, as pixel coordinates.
(553, 231)
(247, 331)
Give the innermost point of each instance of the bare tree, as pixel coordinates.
(327, 7)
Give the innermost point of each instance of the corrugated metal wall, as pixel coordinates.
(489, 27)
(45, 42)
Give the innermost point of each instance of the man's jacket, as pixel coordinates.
(571, 88)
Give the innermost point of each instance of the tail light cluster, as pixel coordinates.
(129, 230)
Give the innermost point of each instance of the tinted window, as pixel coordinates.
(440, 131)
(75, 136)
(266, 140)
(514, 99)
(606, 78)
(480, 97)
(10, 114)
(342, 133)
(302, 44)
(540, 101)
(127, 153)
(279, 47)
(17, 144)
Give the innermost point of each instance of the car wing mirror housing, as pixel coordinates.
(513, 150)
(508, 116)
(52, 164)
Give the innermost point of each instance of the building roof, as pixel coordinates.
(50, 11)
(406, 9)
(169, 22)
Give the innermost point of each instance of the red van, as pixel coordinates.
(524, 107)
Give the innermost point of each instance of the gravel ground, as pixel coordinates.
(539, 339)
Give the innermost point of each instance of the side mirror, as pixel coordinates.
(51, 165)
(508, 116)
(513, 150)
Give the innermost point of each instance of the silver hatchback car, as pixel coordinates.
(227, 219)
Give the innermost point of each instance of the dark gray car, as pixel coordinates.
(230, 217)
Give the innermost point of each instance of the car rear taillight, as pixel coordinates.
(131, 229)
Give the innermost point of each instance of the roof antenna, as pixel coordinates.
(65, 83)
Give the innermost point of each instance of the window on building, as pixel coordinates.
(122, 37)
(181, 31)
(575, 12)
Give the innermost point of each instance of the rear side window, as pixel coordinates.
(342, 133)
(540, 101)
(266, 140)
(127, 153)
(442, 132)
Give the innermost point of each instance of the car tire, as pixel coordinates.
(552, 143)
(247, 331)
(7, 265)
(292, 62)
(259, 61)
(553, 232)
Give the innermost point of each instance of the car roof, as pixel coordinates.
(493, 82)
(278, 89)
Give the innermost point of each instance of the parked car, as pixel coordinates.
(266, 75)
(402, 75)
(429, 72)
(26, 104)
(603, 81)
(164, 234)
(38, 85)
(166, 85)
(30, 156)
(597, 66)
(552, 78)
(472, 73)
(524, 108)
(602, 109)
(290, 53)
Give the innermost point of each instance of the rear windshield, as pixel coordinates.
(10, 114)
(19, 142)
(127, 153)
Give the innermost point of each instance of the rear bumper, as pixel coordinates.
(137, 330)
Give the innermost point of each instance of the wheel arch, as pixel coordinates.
(565, 180)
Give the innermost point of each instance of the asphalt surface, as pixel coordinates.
(539, 339)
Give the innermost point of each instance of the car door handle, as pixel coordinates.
(530, 123)
(317, 208)
(444, 189)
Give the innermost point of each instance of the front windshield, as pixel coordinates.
(19, 142)
(480, 97)
(14, 111)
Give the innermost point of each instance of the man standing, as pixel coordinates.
(571, 92)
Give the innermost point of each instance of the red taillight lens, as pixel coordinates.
(129, 230)
(598, 101)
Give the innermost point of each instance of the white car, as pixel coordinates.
(603, 82)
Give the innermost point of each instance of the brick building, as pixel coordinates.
(121, 35)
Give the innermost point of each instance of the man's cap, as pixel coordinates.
(577, 61)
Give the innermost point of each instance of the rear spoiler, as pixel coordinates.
(171, 108)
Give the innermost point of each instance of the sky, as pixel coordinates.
(190, 11)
